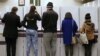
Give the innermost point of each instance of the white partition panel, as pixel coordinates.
(57, 9)
(59, 46)
(20, 47)
(99, 32)
(26, 9)
(39, 10)
(20, 12)
(3, 10)
(62, 48)
(3, 50)
(94, 17)
(1, 28)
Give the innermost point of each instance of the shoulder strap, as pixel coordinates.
(84, 27)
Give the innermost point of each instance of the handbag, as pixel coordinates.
(74, 40)
(83, 38)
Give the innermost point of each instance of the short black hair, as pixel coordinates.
(87, 16)
(14, 9)
(50, 4)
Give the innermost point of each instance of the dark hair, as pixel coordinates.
(14, 9)
(50, 5)
(31, 12)
(87, 16)
(32, 9)
(68, 15)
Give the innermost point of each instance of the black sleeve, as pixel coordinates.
(44, 20)
(24, 22)
(75, 27)
(18, 22)
(93, 26)
(38, 16)
(4, 18)
(57, 17)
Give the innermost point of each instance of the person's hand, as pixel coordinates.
(36, 12)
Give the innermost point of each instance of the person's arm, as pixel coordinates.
(18, 22)
(76, 27)
(57, 16)
(24, 22)
(82, 30)
(93, 26)
(4, 18)
(38, 16)
(43, 20)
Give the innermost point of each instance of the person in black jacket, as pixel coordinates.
(49, 24)
(12, 22)
(31, 30)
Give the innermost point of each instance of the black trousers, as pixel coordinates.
(11, 46)
(69, 50)
(88, 48)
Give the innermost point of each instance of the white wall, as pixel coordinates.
(59, 3)
(7, 5)
(68, 3)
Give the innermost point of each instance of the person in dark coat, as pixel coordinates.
(69, 28)
(12, 22)
(49, 24)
